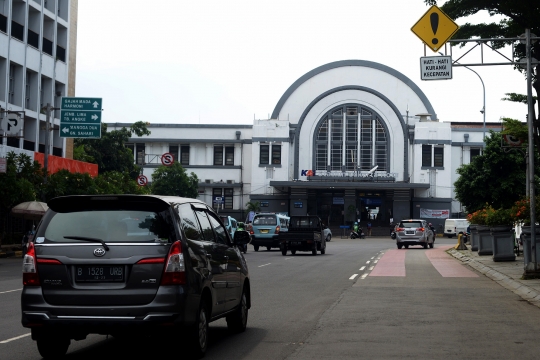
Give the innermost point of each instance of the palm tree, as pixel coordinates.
(253, 206)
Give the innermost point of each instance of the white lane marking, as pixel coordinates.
(362, 268)
(373, 258)
(289, 258)
(371, 268)
(352, 277)
(367, 262)
(375, 261)
(15, 338)
(4, 292)
(264, 265)
(363, 276)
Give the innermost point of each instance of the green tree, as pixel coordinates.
(20, 182)
(109, 152)
(496, 177)
(173, 180)
(63, 183)
(516, 17)
(253, 206)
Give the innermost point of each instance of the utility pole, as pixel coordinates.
(48, 130)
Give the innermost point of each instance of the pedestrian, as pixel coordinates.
(369, 228)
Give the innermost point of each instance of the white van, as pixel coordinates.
(452, 227)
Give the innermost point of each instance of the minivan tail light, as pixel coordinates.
(400, 229)
(174, 272)
(30, 274)
(151, 261)
(277, 230)
(49, 261)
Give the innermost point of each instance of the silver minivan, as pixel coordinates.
(414, 232)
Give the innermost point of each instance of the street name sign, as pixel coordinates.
(80, 117)
(436, 67)
(435, 28)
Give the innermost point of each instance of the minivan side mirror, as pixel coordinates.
(241, 237)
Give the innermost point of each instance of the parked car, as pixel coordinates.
(265, 229)
(327, 233)
(127, 265)
(452, 227)
(414, 232)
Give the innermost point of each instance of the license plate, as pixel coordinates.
(264, 231)
(410, 232)
(296, 243)
(99, 273)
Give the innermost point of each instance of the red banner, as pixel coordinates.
(74, 166)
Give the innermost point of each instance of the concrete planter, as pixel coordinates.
(474, 237)
(526, 238)
(485, 240)
(503, 243)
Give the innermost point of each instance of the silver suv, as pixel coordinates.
(127, 265)
(414, 232)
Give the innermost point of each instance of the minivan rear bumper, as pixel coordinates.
(272, 241)
(172, 306)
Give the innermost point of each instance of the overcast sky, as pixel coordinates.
(228, 62)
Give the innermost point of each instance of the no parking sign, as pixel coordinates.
(167, 159)
(142, 180)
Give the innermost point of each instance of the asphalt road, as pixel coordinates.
(423, 305)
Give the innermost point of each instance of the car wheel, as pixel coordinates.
(53, 348)
(425, 245)
(314, 250)
(399, 246)
(237, 321)
(198, 334)
(284, 251)
(406, 246)
(323, 251)
(256, 247)
(431, 245)
(268, 248)
(293, 252)
(329, 237)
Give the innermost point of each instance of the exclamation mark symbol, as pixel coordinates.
(434, 19)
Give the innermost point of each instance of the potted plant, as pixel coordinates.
(499, 219)
(478, 217)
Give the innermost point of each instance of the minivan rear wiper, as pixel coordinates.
(88, 239)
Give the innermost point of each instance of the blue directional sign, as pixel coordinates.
(80, 117)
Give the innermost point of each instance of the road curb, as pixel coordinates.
(525, 292)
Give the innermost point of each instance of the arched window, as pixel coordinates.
(350, 138)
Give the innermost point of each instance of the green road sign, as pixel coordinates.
(86, 117)
(77, 103)
(80, 117)
(80, 130)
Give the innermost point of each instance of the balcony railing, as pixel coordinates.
(33, 39)
(47, 46)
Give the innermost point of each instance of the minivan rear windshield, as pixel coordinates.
(107, 225)
(265, 220)
(410, 225)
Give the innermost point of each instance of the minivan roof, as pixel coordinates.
(79, 202)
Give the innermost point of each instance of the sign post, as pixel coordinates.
(80, 117)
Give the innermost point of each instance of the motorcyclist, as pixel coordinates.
(241, 227)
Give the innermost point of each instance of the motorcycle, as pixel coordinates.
(357, 232)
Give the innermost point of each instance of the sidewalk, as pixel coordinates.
(507, 273)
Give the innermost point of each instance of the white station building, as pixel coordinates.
(340, 144)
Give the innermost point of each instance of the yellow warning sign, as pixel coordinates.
(435, 28)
